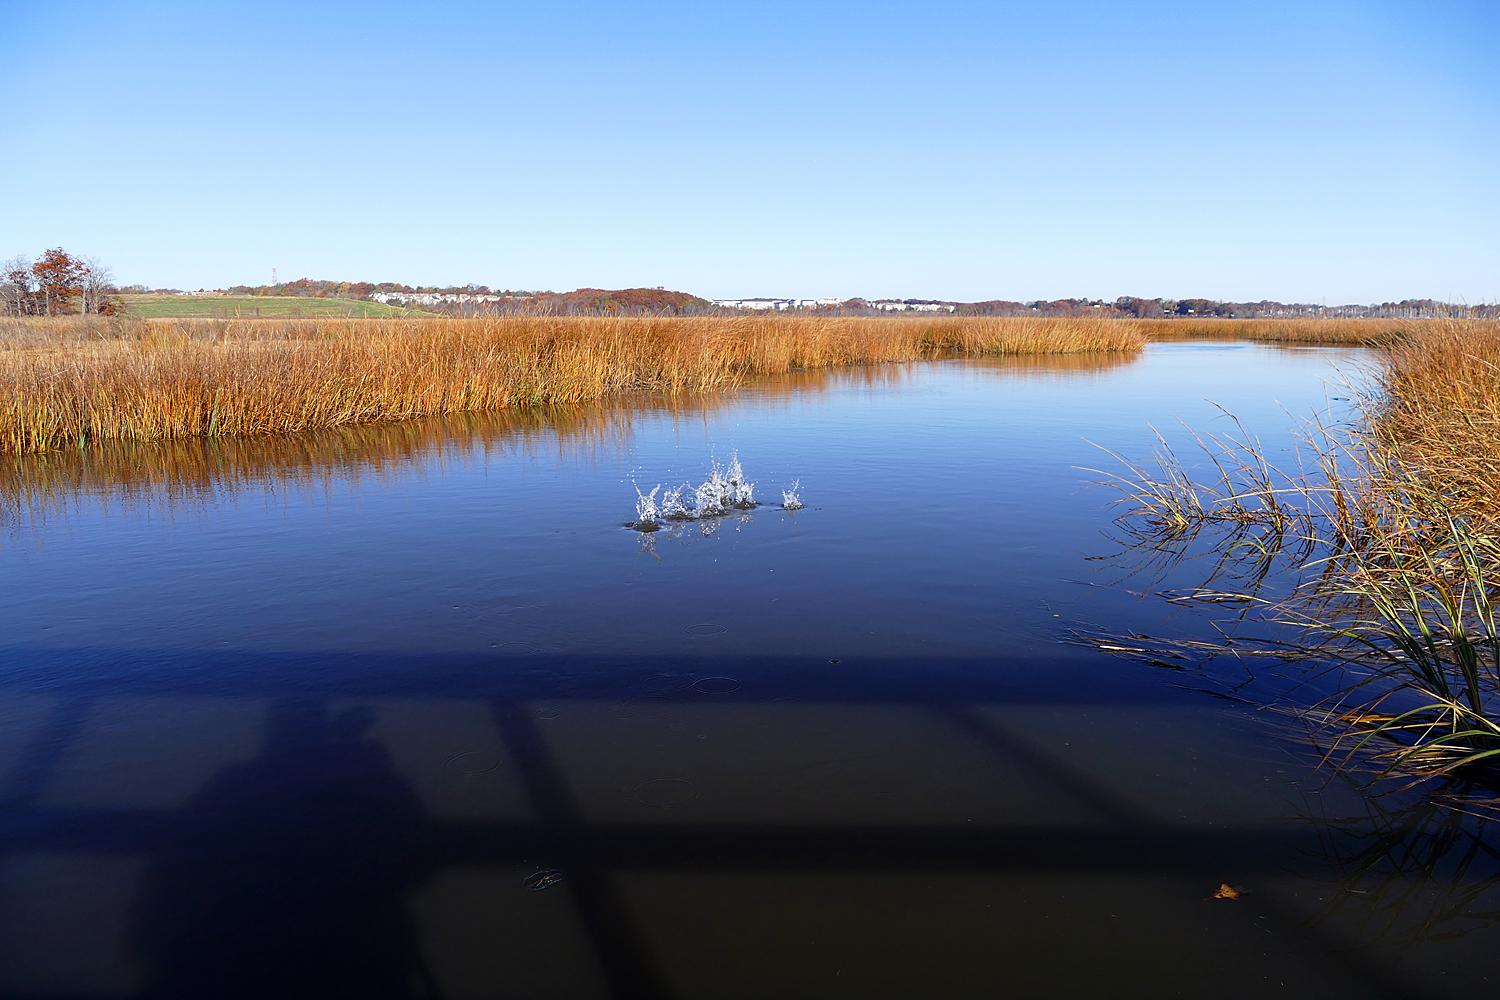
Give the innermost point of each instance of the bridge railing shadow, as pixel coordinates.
(239, 825)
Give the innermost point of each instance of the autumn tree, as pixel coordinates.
(57, 283)
(59, 279)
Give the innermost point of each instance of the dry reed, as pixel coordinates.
(1439, 413)
(63, 383)
(1354, 332)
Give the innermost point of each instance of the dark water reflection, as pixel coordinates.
(402, 711)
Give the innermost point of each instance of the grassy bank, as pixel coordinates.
(1396, 534)
(256, 307)
(66, 382)
(1353, 332)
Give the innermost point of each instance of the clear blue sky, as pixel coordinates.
(1312, 151)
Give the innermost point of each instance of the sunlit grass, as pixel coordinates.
(1353, 332)
(67, 382)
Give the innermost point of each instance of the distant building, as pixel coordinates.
(760, 305)
(912, 305)
(441, 298)
(883, 305)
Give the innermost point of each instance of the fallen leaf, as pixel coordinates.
(1227, 891)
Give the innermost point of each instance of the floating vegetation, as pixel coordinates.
(723, 491)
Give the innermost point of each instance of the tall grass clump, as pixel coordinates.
(1397, 526)
(64, 383)
(1440, 413)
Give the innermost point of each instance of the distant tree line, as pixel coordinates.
(319, 289)
(1139, 308)
(1129, 305)
(660, 301)
(581, 301)
(57, 284)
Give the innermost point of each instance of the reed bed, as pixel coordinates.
(64, 383)
(1440, 413)
(1396, 528)
(1351, 332)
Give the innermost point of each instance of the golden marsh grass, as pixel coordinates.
(1439, 412)
(1351, 332)
(68, 382)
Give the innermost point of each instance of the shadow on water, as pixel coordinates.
(364, 826)
(302, 888)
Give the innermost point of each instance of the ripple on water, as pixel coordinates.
(543, 878)
(716, 685)
(520, 648)
(665, 794)
(471, 762)
(703, 629)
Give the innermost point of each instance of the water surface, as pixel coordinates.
(405, 711)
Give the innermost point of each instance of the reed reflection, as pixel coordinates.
(162, 476)
(1410, 867)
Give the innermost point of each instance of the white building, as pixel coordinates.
(762, 305)
(440, 298)
(884, 305)
(897, 305)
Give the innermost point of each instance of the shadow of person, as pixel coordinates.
(291, 874)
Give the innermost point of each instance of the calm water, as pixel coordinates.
(405, 711)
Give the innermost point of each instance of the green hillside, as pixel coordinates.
(255, 306)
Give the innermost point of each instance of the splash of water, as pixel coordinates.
(711, 497)
(647, 513)
(723, 491)
(741, 491)
(673, 506)
(791, 499)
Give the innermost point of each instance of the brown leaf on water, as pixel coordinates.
(1227, 891)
